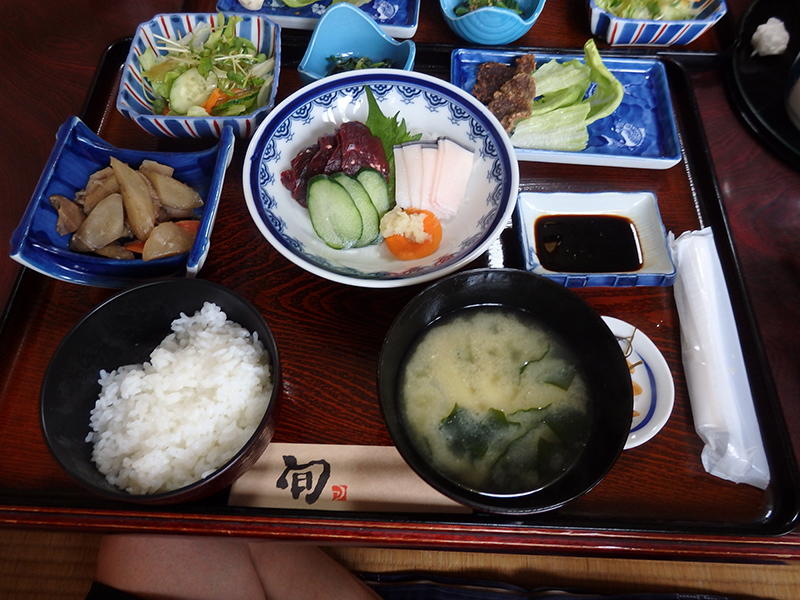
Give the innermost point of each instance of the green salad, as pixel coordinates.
(210, 72)
(659, 10)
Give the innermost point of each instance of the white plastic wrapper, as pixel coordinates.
(719, 390)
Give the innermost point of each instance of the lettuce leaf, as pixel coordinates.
(570, 96)
(609, 91)
(560, 129)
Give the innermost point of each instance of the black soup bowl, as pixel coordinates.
(124, 330)
(526, 468)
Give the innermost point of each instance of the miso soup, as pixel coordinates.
(496, 400)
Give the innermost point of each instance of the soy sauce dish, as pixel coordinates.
(505, 391)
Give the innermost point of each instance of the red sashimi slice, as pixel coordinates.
(349, 149)
(361, 149)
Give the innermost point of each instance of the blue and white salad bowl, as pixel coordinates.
(429, 106)
(135, 97)
(619, 31)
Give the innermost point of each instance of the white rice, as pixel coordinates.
(169, 422)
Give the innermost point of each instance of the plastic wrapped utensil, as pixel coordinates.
(719, 390)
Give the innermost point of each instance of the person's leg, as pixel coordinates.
(292, 571)
(176, 567)
(157, 567)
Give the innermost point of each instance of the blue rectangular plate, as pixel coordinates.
(640, 134)
(397, 18)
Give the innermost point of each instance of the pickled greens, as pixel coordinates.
(210, 72)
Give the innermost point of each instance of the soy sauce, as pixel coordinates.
(587, 243)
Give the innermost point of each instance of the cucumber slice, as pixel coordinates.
(189, 89)
(370, 221)
(377, 188)
(333, 213)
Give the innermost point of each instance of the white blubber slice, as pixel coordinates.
(401, 188)
(454, 167)
(432, 175)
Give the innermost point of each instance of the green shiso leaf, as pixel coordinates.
(390, 130)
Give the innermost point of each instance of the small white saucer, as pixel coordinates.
(654, 390)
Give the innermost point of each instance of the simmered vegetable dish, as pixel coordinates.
(127, 213)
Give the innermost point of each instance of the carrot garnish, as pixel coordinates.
(408, 249)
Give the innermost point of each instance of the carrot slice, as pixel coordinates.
(135, 246)
(406, 249)
(189, 225)
(212, 100)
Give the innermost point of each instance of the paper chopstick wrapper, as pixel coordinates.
(337, 478)
(719, 390)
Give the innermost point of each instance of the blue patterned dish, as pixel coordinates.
(643, 32)
(77, 154)
(135, 97)
(640, 134)
(398, 18)
(428, 105)
(364, 39)
(641, 208)
(654, 389)
(491, 26)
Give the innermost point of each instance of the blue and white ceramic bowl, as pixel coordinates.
(491, 26)
(77, 154)
(364, 39)
(643, 32)
(428, 105)
(135, 97)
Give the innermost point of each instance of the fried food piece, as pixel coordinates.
(525, 64)
(513, 101)
(507, 91)
(491, 76)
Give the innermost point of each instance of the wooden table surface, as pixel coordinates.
(59, 49)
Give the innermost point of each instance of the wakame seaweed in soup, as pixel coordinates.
(496, 400)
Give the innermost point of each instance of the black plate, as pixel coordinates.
(758, 83)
